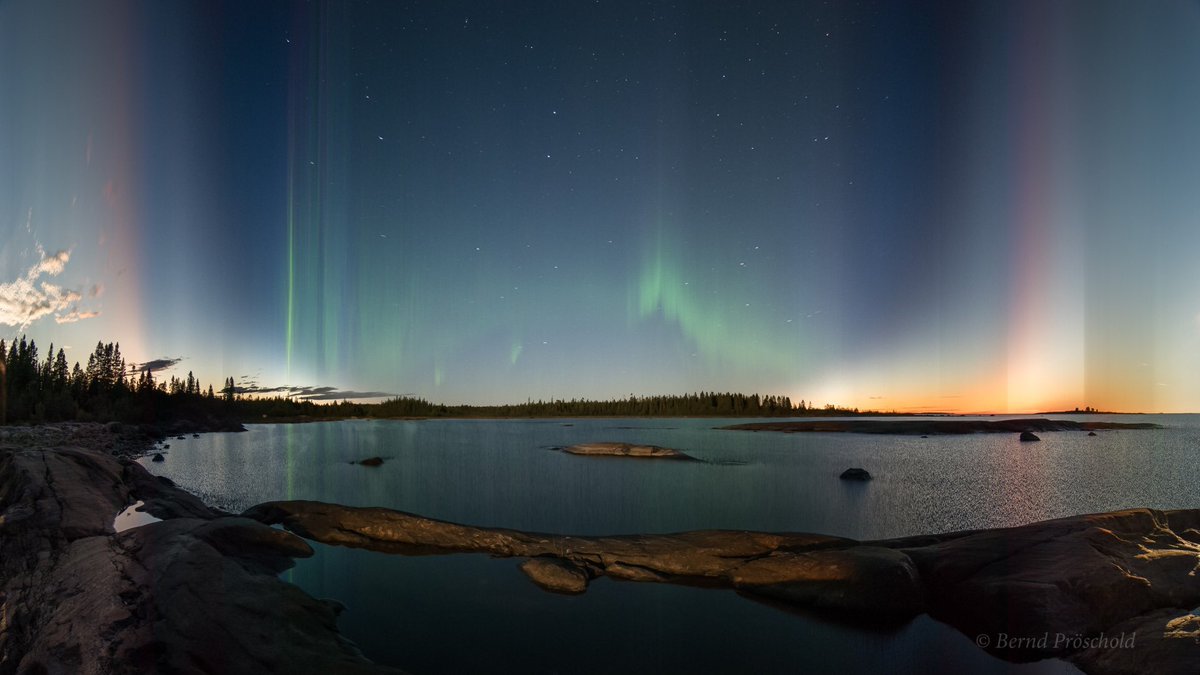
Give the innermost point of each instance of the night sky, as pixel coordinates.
(965, 206)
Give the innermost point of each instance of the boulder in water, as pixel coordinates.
(855, 473)
(556, 575)
(626, 450)
(1029, 436)
(371, 461)
(158, 457)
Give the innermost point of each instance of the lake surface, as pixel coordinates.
(469, 613)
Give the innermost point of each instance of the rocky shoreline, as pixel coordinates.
(1112, 593)
(199, 592)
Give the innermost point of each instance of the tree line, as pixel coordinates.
(47, 390)
(37, 389)
(699, 404)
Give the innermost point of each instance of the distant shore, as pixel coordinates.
(824, 420)
(937, 426)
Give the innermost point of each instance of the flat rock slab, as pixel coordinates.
(626, 450)
(1079, 577)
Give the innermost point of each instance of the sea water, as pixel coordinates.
(469, 613)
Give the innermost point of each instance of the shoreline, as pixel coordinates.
(184, 594)
(1079, 578)
(1126, 572)
(940, 427)
(864, 418)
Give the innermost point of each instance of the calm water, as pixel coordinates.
(469, 613)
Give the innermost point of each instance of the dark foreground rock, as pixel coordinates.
(1028, 436)
(626, 450)
(195, 593)
(1081, 578)
(855, 473)
(934, 426)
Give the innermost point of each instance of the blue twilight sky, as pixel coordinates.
(970, 206)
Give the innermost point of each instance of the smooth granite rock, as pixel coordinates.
(197, 592)
(1084, 577)
(626, 450)
(555, 575)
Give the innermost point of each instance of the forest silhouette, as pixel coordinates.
(107, 388)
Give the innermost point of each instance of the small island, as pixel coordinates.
(626, 450)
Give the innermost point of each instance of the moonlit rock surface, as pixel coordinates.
(625, 450)
(1081, 576)
(197, 592)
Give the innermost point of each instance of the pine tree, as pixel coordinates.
(59, 374)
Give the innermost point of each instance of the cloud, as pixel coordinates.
(155, 366)
(30, 298)
(331, 394)
(74, 315)
(306, 393)
(54, 265)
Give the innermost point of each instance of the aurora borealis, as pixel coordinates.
(964, 206)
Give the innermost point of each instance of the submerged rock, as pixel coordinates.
(370, 461)
(1091, 433)
(626, 450)
(1029, 436)
(855, 474)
